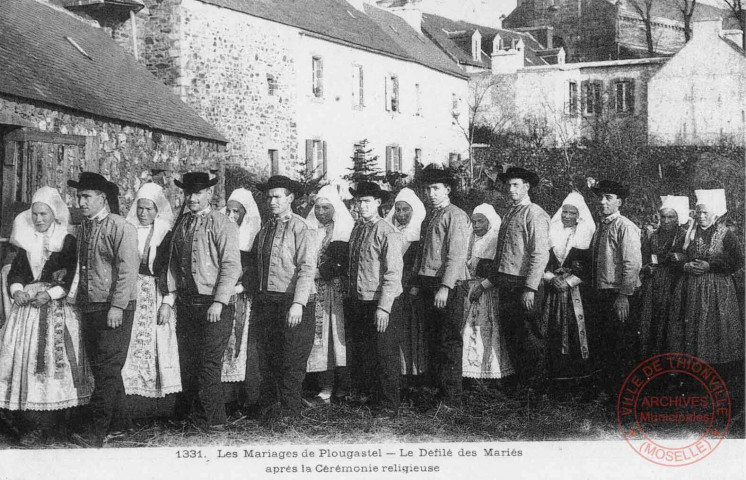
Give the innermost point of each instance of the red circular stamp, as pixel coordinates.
(674, 409)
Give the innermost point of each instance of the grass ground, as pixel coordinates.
(487, 415)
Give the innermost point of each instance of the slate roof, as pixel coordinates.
(454, 37)
(416, 44)
(39, 63)
(338, 20)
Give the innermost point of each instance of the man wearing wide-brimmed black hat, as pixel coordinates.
(204, 266)
(521, 256)
(375, 270)
(439, 265)
(616, 262)
(285, 264)
(108, 262)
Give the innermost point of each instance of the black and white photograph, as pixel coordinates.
(372, 239)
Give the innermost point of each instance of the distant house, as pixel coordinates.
(598, 30)
(557, 105)
(699, 96)
(296, 84)
(474, 46)
(71, 99)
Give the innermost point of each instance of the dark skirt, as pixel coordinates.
(564, 356)
(656, 294)
(705, 320)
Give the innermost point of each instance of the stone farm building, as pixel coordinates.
(71, 99)
(296, 84)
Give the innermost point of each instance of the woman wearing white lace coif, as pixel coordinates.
(152, 365)
(485, 355)
(43, 366)
(566, 323)
(242, 210)
(328, 358)
(407, 216)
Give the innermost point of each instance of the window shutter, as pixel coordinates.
(398, 159)
(584, 86)
(361, 86)
(389, 153)
(598, 97)
(323, 156)
(309, 157)
(619, 97)
(386, 93)
(631, 96)
(320, 76)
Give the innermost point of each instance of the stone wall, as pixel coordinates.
(158, 30)
(588, 29)
(122, 152)
(227, 59)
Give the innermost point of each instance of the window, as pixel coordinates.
(315, 158)
(476, 48)
(274, 162)
(32, 159)
(393, 158)
(453, 158)
(592, 97)
(624, 96)
(317, 67)
(358, 99)
(418, 156)
(392, 93)
(271, 84)
(572, 98)
(455, 107)
(418, 100)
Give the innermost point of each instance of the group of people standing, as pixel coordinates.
(363, 304)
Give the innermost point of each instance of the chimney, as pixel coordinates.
(410, 12)
(707, 30)
(499, 22)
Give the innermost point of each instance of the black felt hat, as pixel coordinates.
(370, 189)
(610, 186)
(432, 174)
(195, 181)
(280, 181)
(518, 172)
(95, 181)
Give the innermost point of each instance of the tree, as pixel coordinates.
(364, 165)
(484, 117)
(739, 13)
(644, 9)
(686, 7)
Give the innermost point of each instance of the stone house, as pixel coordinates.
(708, 104)
(295, 85)
(558, 105)
(71, 99)
(599, 30)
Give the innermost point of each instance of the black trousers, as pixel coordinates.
(524, 342)
(373, 356)
(616, 342)
(444, 339)
(201, 347)
(283, 351)
(107, 351)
